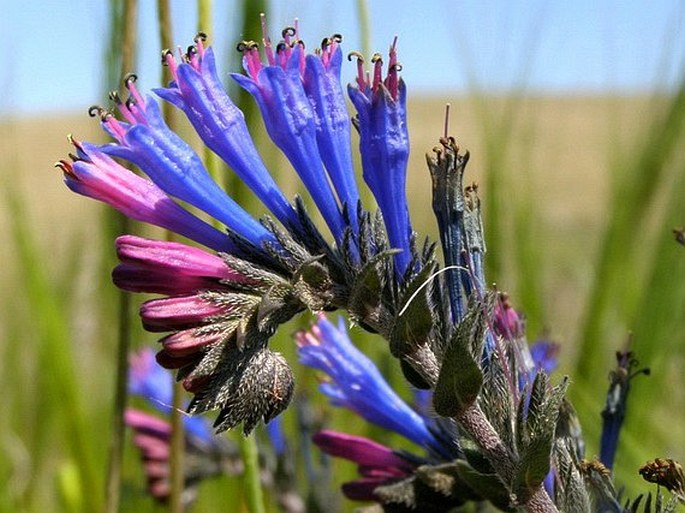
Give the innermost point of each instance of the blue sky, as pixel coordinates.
(52, 51)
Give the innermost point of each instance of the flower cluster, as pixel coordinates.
(356, 383)
(497, 430)
(207, 455)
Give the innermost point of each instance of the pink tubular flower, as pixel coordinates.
(96, 175)
(378, 464)
(168, 268)
(181, 312)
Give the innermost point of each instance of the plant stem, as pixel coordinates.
(540, 502)
(252, 483)
(113, 485)
(474, 422)
(178, 446)
(177, 457)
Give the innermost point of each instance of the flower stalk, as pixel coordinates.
(116, 450)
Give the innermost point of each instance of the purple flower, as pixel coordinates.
(146, 141)
(614, 411)
(356, 382)
(384, 147)
(204, 458)
(290, 118)
(155, 384)
(333, 126)
(96, 175)
(221, 309)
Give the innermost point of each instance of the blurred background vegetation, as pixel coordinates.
(580, 191)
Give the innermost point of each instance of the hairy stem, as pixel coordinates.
(474, 422)
(540, 502)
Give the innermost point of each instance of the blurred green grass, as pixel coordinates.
(580, 193)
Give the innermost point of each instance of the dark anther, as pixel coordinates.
(337, 38)
(356, 55)
(288, 31)
(377, 57)
(280, 47)
(130, 102)
(192, 50)
(73, 157)
(397, 67)
(299, 43)
(95, 110)
(130, 78)
(325, 43)
(200, 36)
(114, 96)
(243, 46)
(165, 53)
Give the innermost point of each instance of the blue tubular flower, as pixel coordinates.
(357, 384)
(384, 148)
(171, 163)
(153, 383)
(289, 118)
(322, 85)
(197, 91)
(614, 411)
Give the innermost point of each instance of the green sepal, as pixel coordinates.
(412, 328)
(461, 378)
(313, 285)
(366, 292)
(536, 435)
(488, 486)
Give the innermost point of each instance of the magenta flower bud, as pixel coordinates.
(169, 268)
(188, 342)
(360, 450)
(146, 423)
(175, 313)
(507, 322)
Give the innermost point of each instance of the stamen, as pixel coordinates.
(168, 60)
(266, 40)
(361, 84)
(130, 84)
(74, 142)
(66, 168)
(200, 39)
(95, 111)
(377, 61)
(250, 51)
(287, 33)
(114, 96)
(447, 120)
